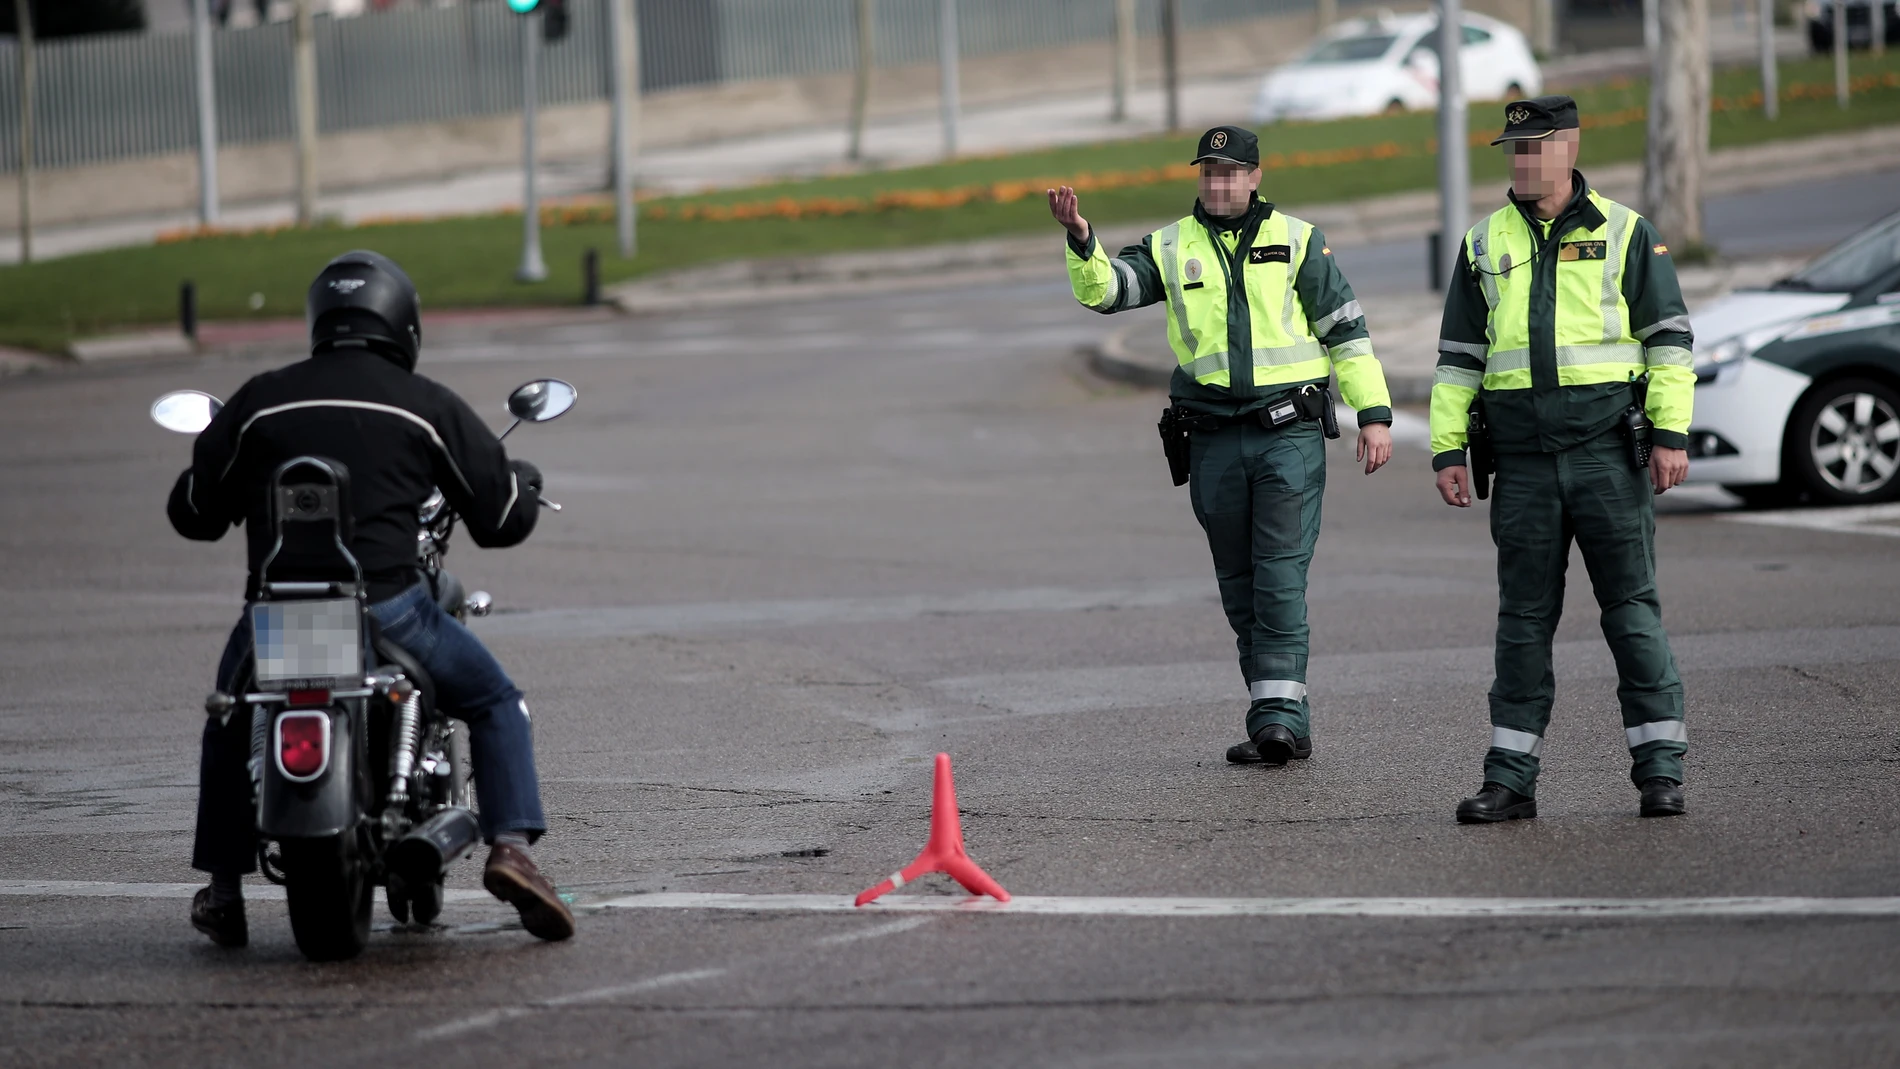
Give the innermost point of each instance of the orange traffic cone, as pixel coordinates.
(943, 852)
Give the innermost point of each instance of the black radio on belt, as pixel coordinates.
(1174, 441)
(1636, 425)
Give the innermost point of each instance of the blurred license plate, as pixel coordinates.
(299, 641)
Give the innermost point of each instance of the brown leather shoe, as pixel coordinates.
(512, 877)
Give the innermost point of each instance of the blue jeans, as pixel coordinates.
(470, 686)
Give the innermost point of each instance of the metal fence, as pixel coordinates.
(123, 96)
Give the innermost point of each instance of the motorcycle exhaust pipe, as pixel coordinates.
(425, 854)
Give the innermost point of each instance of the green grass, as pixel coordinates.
(470, 261)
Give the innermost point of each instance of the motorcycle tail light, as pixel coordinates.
(303, 745)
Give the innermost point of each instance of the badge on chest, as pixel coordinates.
(1270, 254)
(1582, 250)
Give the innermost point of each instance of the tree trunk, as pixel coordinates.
(1678, 123)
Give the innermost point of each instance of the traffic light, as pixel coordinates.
(553, 15)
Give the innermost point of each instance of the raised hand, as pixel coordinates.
(1063, 205)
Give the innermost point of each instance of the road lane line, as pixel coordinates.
(1088, 906)
(1633, 908)
(893, 928)
(491, 1018)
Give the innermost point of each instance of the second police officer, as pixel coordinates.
(1565, 325)
(1259, 317)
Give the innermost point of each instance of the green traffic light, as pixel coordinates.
(522, 7)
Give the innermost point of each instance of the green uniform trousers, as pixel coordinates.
(1540, 503)
(1257, 494)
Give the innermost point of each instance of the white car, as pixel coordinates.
(1387, 64)
(1798, 385)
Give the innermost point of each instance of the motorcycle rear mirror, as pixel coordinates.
(185, 411)
(541, 400)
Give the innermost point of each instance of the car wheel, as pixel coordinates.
(1395, 107)
(1513, 91)
(1844, 442)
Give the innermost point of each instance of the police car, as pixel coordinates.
(1798, 386)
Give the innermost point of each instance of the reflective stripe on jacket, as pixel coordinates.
(1553, 320)
(1299, 322)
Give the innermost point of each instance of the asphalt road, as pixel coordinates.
(806, 549)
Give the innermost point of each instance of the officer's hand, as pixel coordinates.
(1668, 467)
(1454, 485)
(1375, 445)
(1062, 205)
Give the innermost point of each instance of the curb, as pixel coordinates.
(146, 345)
(787, 279)
(1113, 357)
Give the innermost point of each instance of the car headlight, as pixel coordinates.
(1733, 349)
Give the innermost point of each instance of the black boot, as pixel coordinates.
(1276, 745)
(1243, 753)
(1662, 797)
(224, 924)
(1495, 802)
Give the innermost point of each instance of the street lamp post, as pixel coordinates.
(532, 268)
(947, 52)
(1454, 163)
(207, 114)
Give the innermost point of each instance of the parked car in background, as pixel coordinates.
(1389, 63)
(1860, 23)
(1798, 386)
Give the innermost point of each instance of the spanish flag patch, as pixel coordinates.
(1659, 249)
(1325, 250)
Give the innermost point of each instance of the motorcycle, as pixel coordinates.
(359, 779)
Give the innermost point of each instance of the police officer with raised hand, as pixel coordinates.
(1259, 317)
(1564, 364)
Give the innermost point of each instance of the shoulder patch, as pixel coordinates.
(1325, 250)
(1659, 249)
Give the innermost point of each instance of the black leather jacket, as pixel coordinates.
(398, 433)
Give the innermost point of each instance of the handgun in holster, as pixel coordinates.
(1174, 441)
(1316, 402)
(1636, 424)
(1482, 462)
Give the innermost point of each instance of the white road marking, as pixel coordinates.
(1878, 520)
(1631, 908)
(893, 928)
(491, 1018)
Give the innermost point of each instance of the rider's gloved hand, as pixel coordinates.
(528, 475)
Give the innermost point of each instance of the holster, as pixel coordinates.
(1316, 402)
(1174, 442)
(1482, 462)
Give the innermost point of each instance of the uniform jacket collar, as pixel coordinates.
(1259, 211)
(1581, 211)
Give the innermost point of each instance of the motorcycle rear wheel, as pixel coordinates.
(328, 891)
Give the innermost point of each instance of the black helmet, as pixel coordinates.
(363, 298)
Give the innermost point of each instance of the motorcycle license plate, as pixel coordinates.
(307, 641)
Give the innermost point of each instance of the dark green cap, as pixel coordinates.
(1534, 120)
(1228, 144)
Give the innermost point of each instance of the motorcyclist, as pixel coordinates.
(357, 400)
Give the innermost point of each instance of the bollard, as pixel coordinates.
(590, 278)
(188, 310)
(1435, 265)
